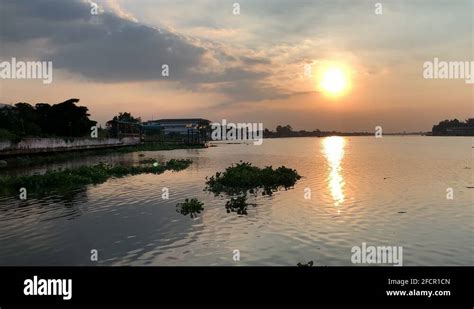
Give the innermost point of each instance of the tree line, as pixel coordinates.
(44, 120)
(287, 131)
(443, 126)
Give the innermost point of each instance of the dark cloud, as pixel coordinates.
(109, 48)
(125, 50)
(25, 20)
(103, 47)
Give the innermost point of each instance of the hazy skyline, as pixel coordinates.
(247, 67)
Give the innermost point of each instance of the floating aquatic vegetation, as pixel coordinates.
(148, 161)
(84, 175)
(309, 264)
(238, 204)
(243, 178)
(177, 165)
(191, 207)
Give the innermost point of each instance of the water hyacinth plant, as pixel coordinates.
(238, 204)
(148, 161)
(191, 207)
(244, 178)
(84, 175)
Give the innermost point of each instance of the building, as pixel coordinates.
(189, 130)
(121, 129)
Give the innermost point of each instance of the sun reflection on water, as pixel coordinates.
(333, 150)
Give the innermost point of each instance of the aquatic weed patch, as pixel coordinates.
(191, 207)
(238, 204)
(173, 164)
(84, 175)
(244, 178)
(178, 165)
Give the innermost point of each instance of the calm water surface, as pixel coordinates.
(389, 191)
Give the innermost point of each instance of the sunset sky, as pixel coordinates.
(248, 67)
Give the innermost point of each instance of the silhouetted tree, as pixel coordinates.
(63, 119)
(26, 120)
(284, 131)
(442, 126)
(267, 133)
(127, 117)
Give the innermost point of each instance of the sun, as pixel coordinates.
(334, 81)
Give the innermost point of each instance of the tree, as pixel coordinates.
(63, 119)
(127, 117)
(284, 131)
(71, 120)
(26, 120)
(267, 133)
(442, 126)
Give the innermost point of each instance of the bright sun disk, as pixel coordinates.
(334, 81)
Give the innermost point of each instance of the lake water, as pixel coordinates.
(384, 192)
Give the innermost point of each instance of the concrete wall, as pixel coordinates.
(37, 145)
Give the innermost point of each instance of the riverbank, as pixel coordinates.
(39, 159)
(28, 146)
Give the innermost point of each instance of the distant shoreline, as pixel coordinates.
(349, 134)
(368, 134)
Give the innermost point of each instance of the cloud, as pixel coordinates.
(255, 61)
(122, 50)
(114, 47)
(104, 47)
(244, 91)
(119, 11)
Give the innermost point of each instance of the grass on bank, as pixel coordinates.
(85, 175)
